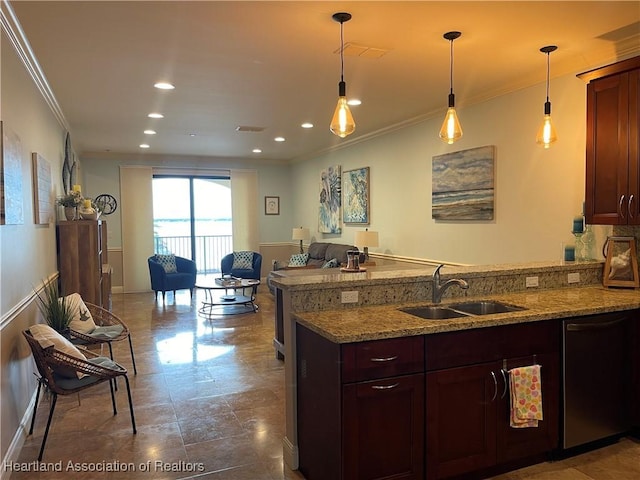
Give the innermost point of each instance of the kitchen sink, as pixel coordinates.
(463, 309)
(433, 312)
(484, 307)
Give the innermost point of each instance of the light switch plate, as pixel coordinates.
(573, 277)
(350, 296)
(531, 282)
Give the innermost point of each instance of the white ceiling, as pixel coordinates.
(275, 65)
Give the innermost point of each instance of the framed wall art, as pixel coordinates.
(330, 200)
(41, 189)
(462, 185)
(355, 191)
(11, 207)
(272, 205)
(621, 264)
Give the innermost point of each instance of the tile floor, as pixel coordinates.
(209, 396)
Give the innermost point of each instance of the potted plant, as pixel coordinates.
(55, 309)
(70, 202)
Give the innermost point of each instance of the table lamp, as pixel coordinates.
(366, 239)
(300, 233)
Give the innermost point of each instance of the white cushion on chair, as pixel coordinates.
(47, 337)
(81, 319)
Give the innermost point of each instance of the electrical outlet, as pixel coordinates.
(573, 277)
(531, 282)
(350, 297)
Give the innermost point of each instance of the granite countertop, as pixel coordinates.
(309, 279)
(386, 321)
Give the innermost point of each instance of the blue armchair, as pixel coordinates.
(161, 281)
(227, 264)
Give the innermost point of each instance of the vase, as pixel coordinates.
(70, 213)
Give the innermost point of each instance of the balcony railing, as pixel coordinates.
(209, 249)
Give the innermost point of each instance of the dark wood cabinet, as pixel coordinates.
(360, 408)
(433, 406)
(635, 372)
(82, 260)
(612, 192)
(468, 400)
(383, 428)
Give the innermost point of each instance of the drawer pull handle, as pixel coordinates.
(384, 387)
(504, 379)
(495, 387)
(384, 359)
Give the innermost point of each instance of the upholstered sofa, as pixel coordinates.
(319, 255)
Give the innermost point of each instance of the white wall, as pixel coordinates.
(27, 251)
(537, 191)
(100, 174)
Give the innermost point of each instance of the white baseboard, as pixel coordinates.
(13, 452)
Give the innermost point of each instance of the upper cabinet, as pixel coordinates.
(612, 194)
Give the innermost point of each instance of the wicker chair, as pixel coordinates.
(49, 359)
(104, 318)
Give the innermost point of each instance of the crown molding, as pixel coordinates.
(11, 26)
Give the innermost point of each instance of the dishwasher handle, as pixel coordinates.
(590, 326)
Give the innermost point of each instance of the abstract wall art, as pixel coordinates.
(355, 191)
(330, 200)
(11, 204)
(463, 185)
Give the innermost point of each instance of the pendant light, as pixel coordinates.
(451, 130)
(547, 132)
(342, 123)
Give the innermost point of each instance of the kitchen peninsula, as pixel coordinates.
(324, 335)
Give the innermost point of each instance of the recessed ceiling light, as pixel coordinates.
(307, 125)
(144, 145)
(354, 102)
(256, 150)
(149, 132)
(192, 134)
(279, 139)
(164, 86)
(155, 115)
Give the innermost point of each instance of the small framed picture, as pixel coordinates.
(272, 205)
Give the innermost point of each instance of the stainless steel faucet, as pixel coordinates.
(438, 290)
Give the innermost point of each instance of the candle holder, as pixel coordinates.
(580, 250)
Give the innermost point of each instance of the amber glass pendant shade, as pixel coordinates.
(547, 131)
(342, 123)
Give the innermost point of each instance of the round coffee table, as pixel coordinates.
(227, 296)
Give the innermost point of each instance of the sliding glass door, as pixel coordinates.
(192, 218)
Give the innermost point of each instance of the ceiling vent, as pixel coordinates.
(249, 128)
(354, 50)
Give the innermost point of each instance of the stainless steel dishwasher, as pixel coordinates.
(596, 385)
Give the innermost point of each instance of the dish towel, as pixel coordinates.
(526, 396)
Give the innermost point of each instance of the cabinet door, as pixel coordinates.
(516, 443)
(634, 146)
(607, 197)
(461, 419)
(383, 428)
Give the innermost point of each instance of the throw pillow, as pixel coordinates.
(81, 319)
(242, 261)
(333, 263)
(168, 262)
(47, 337)
(298, 260)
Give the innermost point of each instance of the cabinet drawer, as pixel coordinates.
(382, 358)
(468, 347)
